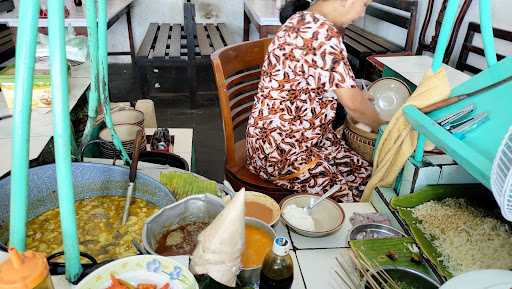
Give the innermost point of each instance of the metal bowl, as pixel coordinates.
(373, 231)
(251, 276)
(195, 208)
(413, 278)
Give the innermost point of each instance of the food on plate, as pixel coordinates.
(259, 211)
(299, 218)
(98, 225)
(466, 237)
(121, 284)
(257, 244)
(181, 240)
(392, 255)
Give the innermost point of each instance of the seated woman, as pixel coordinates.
(290, 139)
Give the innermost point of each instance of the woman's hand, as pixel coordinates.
(359, 105)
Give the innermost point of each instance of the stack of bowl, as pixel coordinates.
(128, 116)
(127, 133)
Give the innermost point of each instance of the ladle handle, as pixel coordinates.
(136, 153)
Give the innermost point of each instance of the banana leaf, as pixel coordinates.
(427, 247)
(375, 250)
(437, 193)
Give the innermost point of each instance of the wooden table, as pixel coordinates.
(313, 258)
(413, 68)
(264, 15)
(115, 10)
(41, 128)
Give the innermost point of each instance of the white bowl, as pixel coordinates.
(389, 94)
(328, 215)
(141, 269)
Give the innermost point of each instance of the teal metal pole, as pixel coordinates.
(487, 33)
(25, 59)
(444, 35)
(103, 75)
(92, 40)
(62, 137)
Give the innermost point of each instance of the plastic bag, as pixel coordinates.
(76, 46)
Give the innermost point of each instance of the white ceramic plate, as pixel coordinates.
(482, 279)
(151, 269)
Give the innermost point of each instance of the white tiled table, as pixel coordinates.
(314, 261)
(41, 128)
(413, 68)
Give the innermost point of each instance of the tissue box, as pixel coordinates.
(41, 89)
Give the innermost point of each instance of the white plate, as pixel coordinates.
(482, 279)
(152, 269)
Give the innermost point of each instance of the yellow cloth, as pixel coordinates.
(399, 139)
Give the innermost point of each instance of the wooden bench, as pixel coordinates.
(469, 47)
(173, 45)
(361, 43)
(6, 44)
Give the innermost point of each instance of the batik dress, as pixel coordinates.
(289, 137)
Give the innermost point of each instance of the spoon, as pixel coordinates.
(311, 205)
(229, 188)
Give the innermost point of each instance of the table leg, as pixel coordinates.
(130, 34)
(247, 26)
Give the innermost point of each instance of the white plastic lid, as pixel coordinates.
(281, 246)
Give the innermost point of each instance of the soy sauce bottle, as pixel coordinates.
(277, 269)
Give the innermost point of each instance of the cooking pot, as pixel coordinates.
(89, 180)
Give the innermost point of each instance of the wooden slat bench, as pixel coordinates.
(188, 45)
(361, 43)
(469, 47)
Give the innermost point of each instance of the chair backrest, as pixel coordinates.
(237, 71)
(390, 11)
(470, 47)
(423, 45)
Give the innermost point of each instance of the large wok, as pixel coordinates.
(89, 180)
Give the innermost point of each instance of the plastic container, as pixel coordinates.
(41, 91)
(27, 270)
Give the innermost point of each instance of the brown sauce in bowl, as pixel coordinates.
(259, 211)
(181, 240)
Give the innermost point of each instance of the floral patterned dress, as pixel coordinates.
(289, 138)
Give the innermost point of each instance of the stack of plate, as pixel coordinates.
(127, 133)
(128, 116)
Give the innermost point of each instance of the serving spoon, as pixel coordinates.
(311, 205)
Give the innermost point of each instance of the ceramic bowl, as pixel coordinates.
(328, 215)
(389, 94)
(267, 201)
(141, 269)
(129, 116)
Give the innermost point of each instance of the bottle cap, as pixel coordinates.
(23, 270)
(281, 246)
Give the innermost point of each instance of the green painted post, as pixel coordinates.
(92, 40)
(62, 137)
(487, 33)
(103, 75)
(444, 35)
(25, 59)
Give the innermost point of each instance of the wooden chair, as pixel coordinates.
(469, 47)
(237, 74)
(361, 43)
(374, 68)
